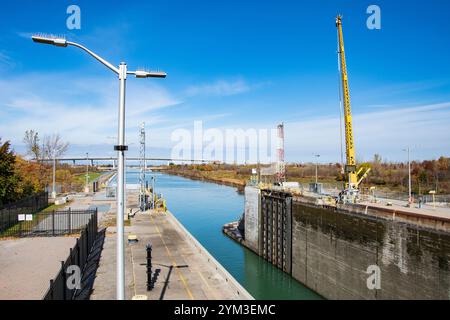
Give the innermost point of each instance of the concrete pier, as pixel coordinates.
(181, 267)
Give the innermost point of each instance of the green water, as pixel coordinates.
(203, 208)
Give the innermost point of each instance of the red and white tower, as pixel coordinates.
(281, 166)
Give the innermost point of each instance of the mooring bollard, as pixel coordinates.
(149, 267)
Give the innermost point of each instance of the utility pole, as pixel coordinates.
(409, 180)
(142, 202)
(317, 165)
(54, 177)
(153, 192)
(409, 177)
(86, 188)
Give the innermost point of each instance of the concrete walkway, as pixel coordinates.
(28, 264)
(426, 210)
(182, 269)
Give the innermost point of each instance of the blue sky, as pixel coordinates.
(231, 64)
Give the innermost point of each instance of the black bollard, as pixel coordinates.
(149, 267)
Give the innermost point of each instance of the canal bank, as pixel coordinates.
(203, 208)
(231, 182)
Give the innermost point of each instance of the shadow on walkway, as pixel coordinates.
(166, 283)
(90, 270)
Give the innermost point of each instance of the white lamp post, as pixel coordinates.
(409, 179)
(54, 177)
(317, 164)
(122, 73)
(153, 192)
(86, 188)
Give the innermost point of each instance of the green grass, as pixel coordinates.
(52, 207)
(81, 178)
(14, 229)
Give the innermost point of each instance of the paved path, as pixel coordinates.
(427, 210)
(28, 264)
(180, 271)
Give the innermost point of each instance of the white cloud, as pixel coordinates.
(386, 131)
(219, 88)
(424, 128)
(83, 111)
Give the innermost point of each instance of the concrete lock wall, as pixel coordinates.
(337, 253)
(252, 217)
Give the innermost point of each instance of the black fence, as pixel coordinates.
(11, 213)
(47, 224)
(59, 289)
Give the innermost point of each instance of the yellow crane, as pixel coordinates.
(350, 167)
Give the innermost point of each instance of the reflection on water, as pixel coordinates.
(203, 208)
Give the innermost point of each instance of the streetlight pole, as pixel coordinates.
(54, 177)
(121, 148)
(86, 188)
(153, 192)
(317, 164)
(409, 178)
(122, 73)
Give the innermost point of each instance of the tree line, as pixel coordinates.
(20, 177)
(426, 175)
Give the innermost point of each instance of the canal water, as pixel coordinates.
(203, 208)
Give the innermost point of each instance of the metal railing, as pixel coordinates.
(11, 213)
(78, 256)
(47, 224)
(426, 198)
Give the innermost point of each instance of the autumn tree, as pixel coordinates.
(8, 177)
(33, 176)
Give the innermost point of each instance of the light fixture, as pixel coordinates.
(149, 74)
(49, 39)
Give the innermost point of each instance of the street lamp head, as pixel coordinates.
(149, 74)
(50, 39)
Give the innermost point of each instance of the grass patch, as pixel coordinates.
(14, 229)
(52, 207)
(81, 178)
(111, 222)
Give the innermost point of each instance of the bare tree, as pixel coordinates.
(54, 146)
(31, 140)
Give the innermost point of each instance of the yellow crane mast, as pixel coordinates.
(350, 167)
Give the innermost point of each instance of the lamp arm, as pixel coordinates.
(96, 56)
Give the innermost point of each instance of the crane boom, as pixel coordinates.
(350, 167)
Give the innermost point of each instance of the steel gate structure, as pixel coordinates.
(276, 229)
